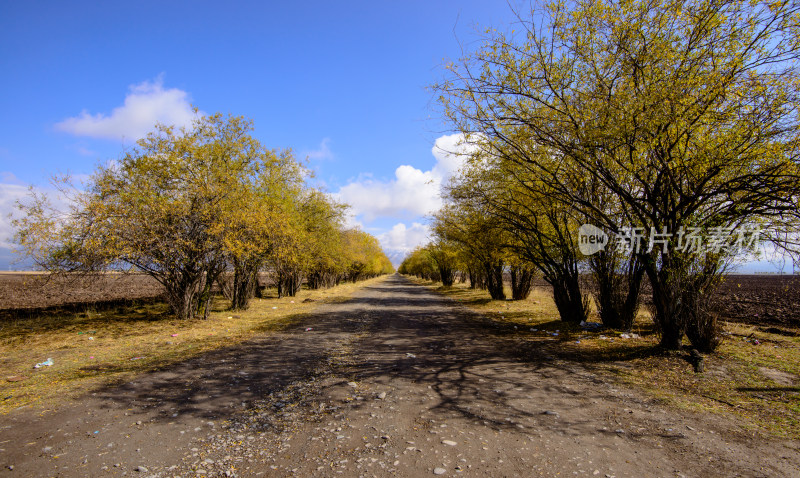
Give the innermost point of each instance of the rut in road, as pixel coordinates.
(397, 381)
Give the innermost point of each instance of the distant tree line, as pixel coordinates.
(199, 206)
(664, 123)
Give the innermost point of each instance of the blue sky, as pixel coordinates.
(342, 83)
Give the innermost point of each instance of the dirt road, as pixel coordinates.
(396, 382)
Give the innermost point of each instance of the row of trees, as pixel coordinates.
(470, 248)
(664, 118)
(201, 206)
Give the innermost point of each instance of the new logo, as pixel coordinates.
(591, 239)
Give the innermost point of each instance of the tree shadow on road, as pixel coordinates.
(396, 336)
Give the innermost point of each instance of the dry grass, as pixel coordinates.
(98, 348)
(753, 377)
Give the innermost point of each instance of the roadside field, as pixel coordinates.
(27, 293)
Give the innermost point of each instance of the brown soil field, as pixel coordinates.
(766, 300)
(32, 292)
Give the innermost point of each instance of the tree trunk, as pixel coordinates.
(669, 320)
(521, 280)
(494, 280)
(181, 290)
(446, 275)
(617, 292)
(314, 281)
(472, 279)
(571, 305)
(245, 283)
(289, 283)
(207, 279)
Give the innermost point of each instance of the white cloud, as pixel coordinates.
(10, 192)
(449, 153)
(402, 239)
(412, 192)
(323, 152)
(145, 105)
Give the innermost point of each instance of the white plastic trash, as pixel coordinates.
(46, 363)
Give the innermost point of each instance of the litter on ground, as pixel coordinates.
(46, 363)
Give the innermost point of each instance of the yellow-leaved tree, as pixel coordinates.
(683, 113)
(180, 206)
